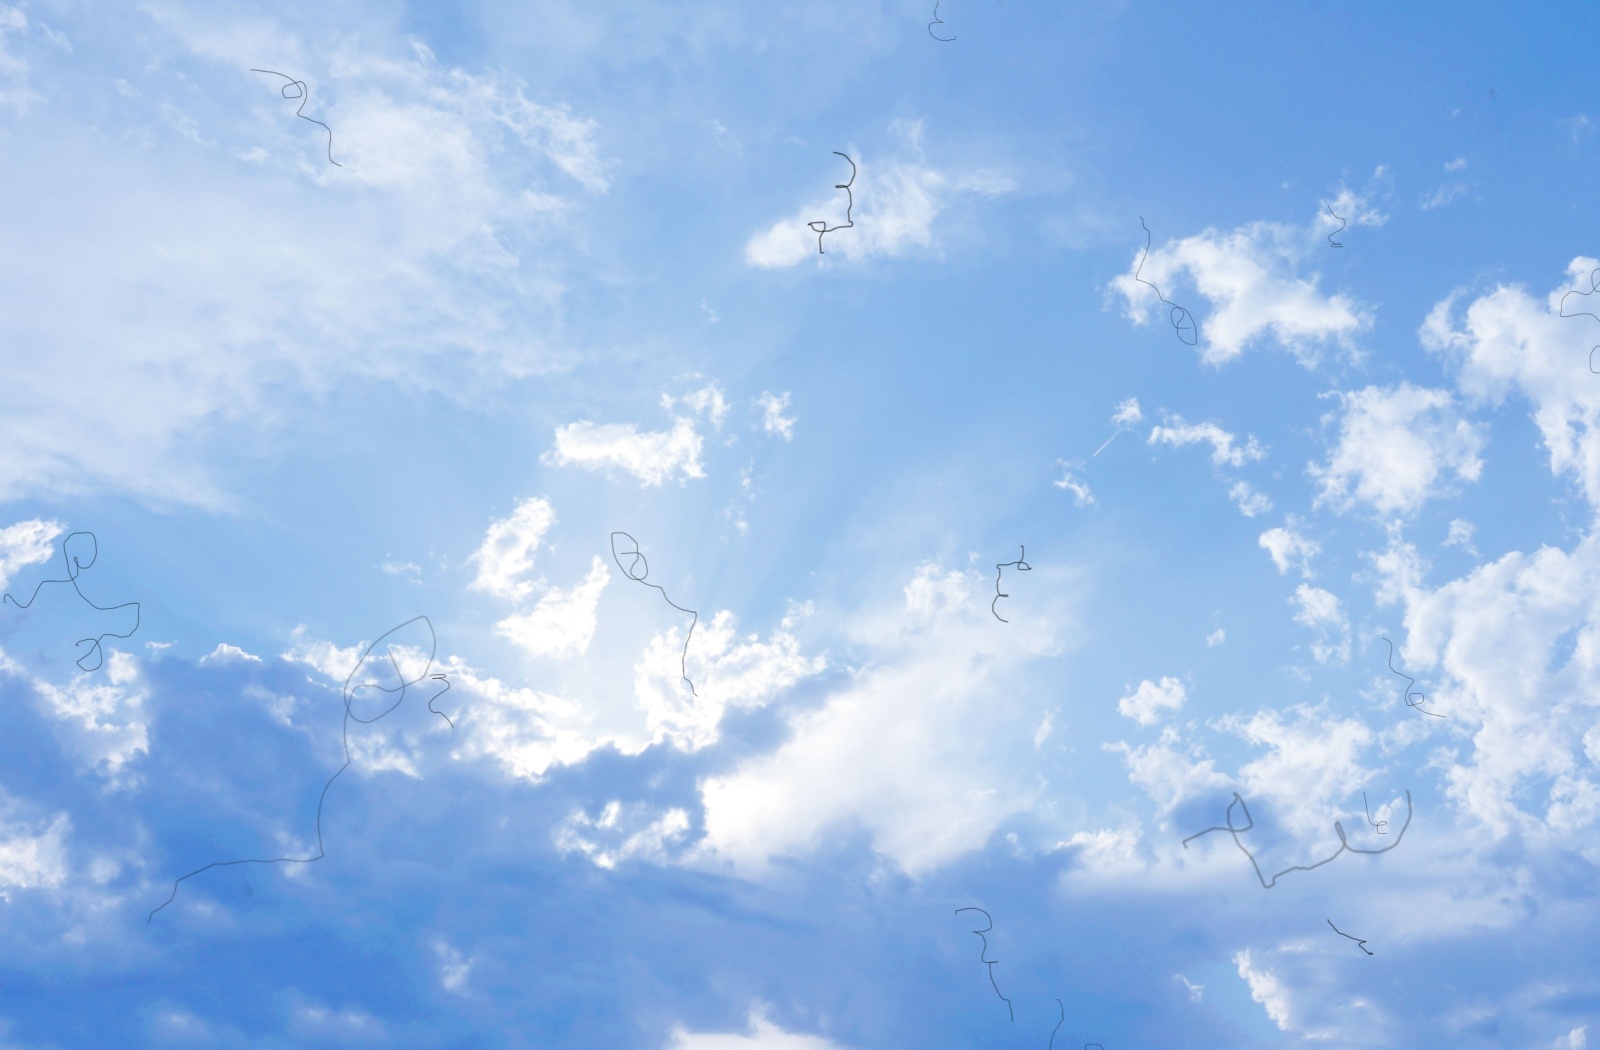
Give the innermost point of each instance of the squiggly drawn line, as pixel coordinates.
(1594, 285)
(1344, 843)
(1178, 317)
(821, 225)
(446, 680)
(1380, 824)
(999, 571)
(349, 716)
(1359, 942)
(1342, 224)
(1059, 1023)
(937, 21)
(74, 567)
(628, 571)
(303, 93)
(1411, 682)
(983, 957)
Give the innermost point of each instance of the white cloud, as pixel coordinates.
(103, 722)
(1197, 992)
(562, 624)
(1127, 413)
(618, 834)
(1073, 484)
(1224, 450)
(1577, 1039)
(1458, 164)
(708, 401)
(1251, 277)
(1266, 989)
(454, 968)
(1216, 637)
(879, 755)
(1251, 502)
(650, 456)
(1396, 446)
(1169, 771)
(1287, 545)
(14, 91)
(225, 653)
(895, 205)
(425, 259)
(32, 853)
(26, 543)
(506, 555)
(1439, 196)
(1145, 705)
(764, 1035)
(773, 421)
(1511, 342)
(1321, 611)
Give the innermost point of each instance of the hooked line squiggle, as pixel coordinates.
(999, 570)
(938, 21)
(821, 225)
(983, 957)
(1359, 942)
(1411, 682)
(1342, 224)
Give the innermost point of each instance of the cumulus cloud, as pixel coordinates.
(773, 421)
(26, 543)
(1288, 547)
(1252, 278)
(1266, 989)
(32, 852)
(708, 401)
(652, 456)
(1321, 611)
(1146, 704)
(895, 203)
(1225, 450)
(1397, 446)
(620, 834)
(506, 556)
(878, 754)
(1509, 342)
(763, 1035)
(1250, 502)
(563, 622)
(225, 653)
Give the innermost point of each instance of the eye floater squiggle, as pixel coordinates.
(75, 565)
(632, 572)
(1338, 828)
(350, 691)
(1182, 321)
(303, 93)
(999, 571)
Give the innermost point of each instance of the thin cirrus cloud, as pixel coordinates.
(426, 249)
(1226, 450)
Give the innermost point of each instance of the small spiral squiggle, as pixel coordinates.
(303, 93)
(76, 565)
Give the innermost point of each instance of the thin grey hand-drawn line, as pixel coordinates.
(1344, 842)
(1359, 942)
(1594, 286)
(1178, 317)
(629, 571)
(999, 571)
(1059, 1023)
(983, 954)
(1342, 224)
(75, 565)
(349, 693)
(1379, 824)
(1409, 683)
(938, 21)
(821, 225)
(303, 93)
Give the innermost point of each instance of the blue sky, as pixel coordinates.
(543, 273)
